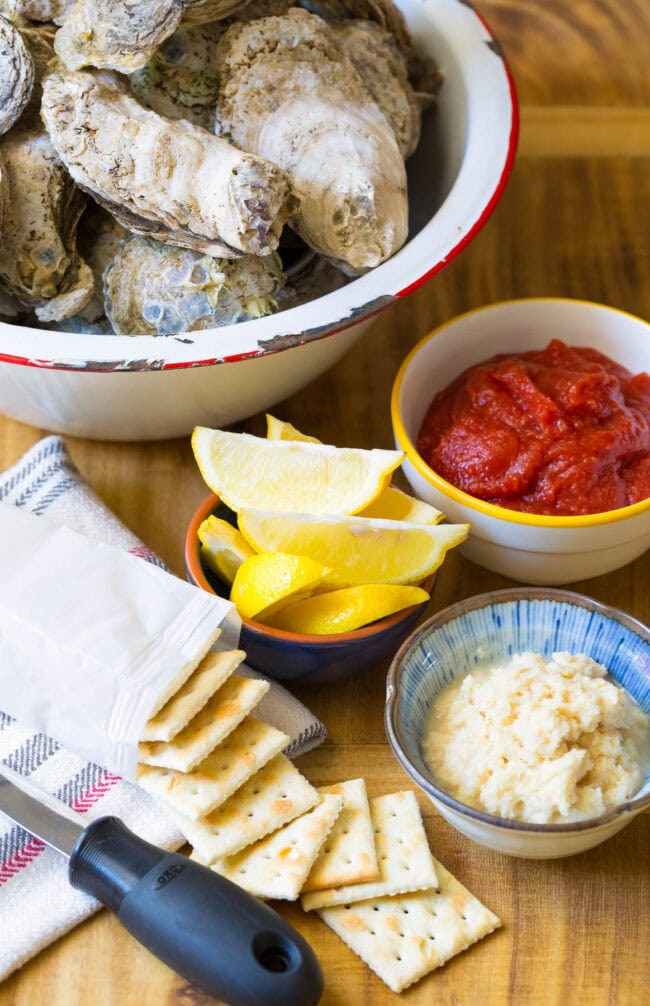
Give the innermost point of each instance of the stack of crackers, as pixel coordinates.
(364, 866)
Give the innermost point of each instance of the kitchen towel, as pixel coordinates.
(37, 905)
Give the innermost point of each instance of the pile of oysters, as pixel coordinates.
(152, 153)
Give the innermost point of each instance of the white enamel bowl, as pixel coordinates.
(526, 547)
(117, 387)
(484, 631)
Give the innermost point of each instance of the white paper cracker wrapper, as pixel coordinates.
(92, 639)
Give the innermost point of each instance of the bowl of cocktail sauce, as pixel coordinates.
(530, 419)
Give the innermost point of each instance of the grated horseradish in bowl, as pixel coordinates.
(567, 765)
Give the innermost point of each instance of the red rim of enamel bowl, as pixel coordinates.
(198, 577)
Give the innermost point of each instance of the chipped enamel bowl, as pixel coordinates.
(486, 630)
(122, 388)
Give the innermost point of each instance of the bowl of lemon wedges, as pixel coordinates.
(329, 565)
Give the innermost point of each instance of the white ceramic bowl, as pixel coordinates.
(486, 630)
(125, 388)
(533, 549)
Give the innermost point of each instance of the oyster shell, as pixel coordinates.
(180, 81)
(36, 10)
(164, 179)
(123, 35)
(118, 35)
(156, 289)
(290, 94)
(16, 74)
(422, 71)
(382, 67)
(39, 262)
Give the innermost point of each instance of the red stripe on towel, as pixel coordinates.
(22, 858)
(33, 848)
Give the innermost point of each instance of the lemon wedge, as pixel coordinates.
(359, 549)
(223, 547)
(277, 429)
(347, 609)
(269, 580)
(393, 504)
(290, 475)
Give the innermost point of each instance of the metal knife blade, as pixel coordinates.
(37, 812)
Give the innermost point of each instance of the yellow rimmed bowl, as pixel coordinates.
(526, 547)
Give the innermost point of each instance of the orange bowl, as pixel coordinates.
(297, 656)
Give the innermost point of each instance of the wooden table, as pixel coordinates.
(574, 221)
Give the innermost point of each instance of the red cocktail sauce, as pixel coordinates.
(561, 431)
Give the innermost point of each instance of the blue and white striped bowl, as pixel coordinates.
(486, 630)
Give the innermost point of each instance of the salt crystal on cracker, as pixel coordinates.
(403, 938)
(348, 856)
(204, 681)
(272, 797)
(195, 794)
(405, 861)
(219, 716)
(276, 867)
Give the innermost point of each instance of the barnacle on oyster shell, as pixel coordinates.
(16, 74)
(39, 262)
(289, 93)
(180, 80)
(169, 180)
(156, 289)
(382, 68)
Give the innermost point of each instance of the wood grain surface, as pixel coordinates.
(574, 221)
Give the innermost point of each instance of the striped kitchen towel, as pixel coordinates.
(37, 905)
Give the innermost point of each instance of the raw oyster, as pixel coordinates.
(39, 262)
(156, 289)
(118, 35)
(16, 74)
(123, 35)
(180, 81)
(290, 94)
(423, 73)
(169, 180)
(382, 68)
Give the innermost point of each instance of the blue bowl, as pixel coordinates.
(292, 656)
(486, 630)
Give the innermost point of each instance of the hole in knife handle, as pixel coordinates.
(274, 953)
(274, 959)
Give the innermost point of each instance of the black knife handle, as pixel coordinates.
(203, 926)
